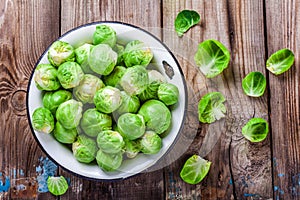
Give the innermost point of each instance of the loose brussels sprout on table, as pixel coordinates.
(185, 20)
(254, 84)
(280, 61)
(256, 130)
(46, 77)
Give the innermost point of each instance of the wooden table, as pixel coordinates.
(251, 30)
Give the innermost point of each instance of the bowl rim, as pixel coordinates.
(184, 112)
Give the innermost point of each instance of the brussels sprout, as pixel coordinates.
(84, 149)
(212, 57)
(69, 113)
(52, 100)
(135, 80)
(195, 169)
(256, 130)
(60, 52)
(57, 185)
(69, 74)
(120, 50)
(280, 61)
(107, 99)
(93, 122)
(168, 93)
(87, 88)
(132, 148)
(42, 120)
(109, 162)
(113, 79)
(211, 107)
(136, 53)
(45, 77)
(110, 141)
(130, 104)
(104, 35)
(131, 126)
(102, 59)
(185, 20)
(63, 135)
(254, 84)
(157, 116)
(82, 54)
(150, 143)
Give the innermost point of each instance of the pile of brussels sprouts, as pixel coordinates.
(102, 101)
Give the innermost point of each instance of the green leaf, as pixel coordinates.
(57, 185)
(254, 84)
(256, 130)
(185, 20)
(280, 61)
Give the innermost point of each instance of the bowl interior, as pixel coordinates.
(63, 155)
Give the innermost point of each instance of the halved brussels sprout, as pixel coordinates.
(84, 149)
(131, 126)
(280, 61)
(168, 93)
(69, 74)
(185, 19)
(113, 79)
(157, 116)
(87, 88)
(108, 99)
(104, 35)
(254, 84)
(63, 135)
(137, 53)
(132, 148)
(212, 57)
(102, 59)
(45, 77)
(211, 107)
(135, 80)
(256, 130)
(82, 54)
(60, 52)
(195, 169)
(130, 104)
(69, 113)
(110, 141)
(150, 143)
(42, 120)
(52, 100)
(109, 162)
(93, 122)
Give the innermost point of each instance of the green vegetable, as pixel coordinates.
(82, 54)
(185, 20)
(109, 162)
(93, 122)
(60, 52)
(113, 79)
(108, 99)
(137, 53)
(194, 169)
(120, 50)
(168, 93)
(69, 113)
(52, 100)
(104, 35)
(131, 126)
(135, 80)
(63, 135)
(212, 57)
(132, 148)
(280, 61)
(102, 59)
(45, 77)
(69, 74)
(254, 84)
(87, 88)
(110, 141)
(130, 104)
(150, 143)
(84, 149)
(256, 130)
(211, 107)
(157, 116)
(57, 185)
(42, 120)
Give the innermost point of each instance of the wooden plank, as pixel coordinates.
(282, 32)
(140, 13)
(26, 29)
(237, 171)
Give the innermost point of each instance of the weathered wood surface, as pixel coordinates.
(251, 30)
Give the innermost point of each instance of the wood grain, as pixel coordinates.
(282, 32)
